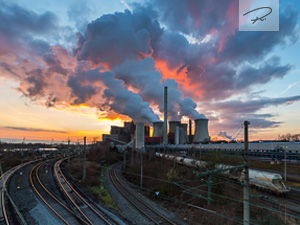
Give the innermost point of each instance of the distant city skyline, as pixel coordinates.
(75, 68)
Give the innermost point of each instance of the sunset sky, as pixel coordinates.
(70, 69)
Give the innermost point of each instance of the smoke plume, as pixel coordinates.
(225, 135)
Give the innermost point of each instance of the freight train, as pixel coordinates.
(267, 181)
(270, 150)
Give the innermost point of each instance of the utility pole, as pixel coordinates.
(165, 116)
(141, 152)
(68, 152)
(285, 150)
(22, 156)
(84, 160)
(246, 176)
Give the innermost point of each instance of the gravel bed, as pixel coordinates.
(30, 206)
(125, 207)
(128, 210)
(82, 191)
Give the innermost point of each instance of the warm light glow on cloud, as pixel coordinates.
(57, 83)
(180, 75)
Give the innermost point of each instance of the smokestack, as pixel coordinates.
(201, 132)
(173, 125)
(183, 138)
(190, 131)
(158, 129)
(166, 116)
(139, 136)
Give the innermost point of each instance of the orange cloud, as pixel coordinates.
(180, 75)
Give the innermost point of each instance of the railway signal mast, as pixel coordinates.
(84, 160)
(246, 176)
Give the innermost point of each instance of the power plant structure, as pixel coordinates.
(201, 131)
(183, 137)
(173, 125)
(178, 132)
(158, 129)
(139, 133)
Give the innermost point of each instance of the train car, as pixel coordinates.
(268, 181)
(189, 162)
(272, 182)
(179, 160)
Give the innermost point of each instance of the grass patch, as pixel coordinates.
(104, 196)
(290, 168)
(292, 184)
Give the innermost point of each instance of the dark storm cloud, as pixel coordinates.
(35, 130)
(223, 80)
(233, 113)
(113, 38)
(127, 47)
(254, 45)
(83, 92)
(196, 17)
(214, 65)
(18, 25)
(251, 106)
(270, 69)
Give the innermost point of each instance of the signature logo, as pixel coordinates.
(259, 18)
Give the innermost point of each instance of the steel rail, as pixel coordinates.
(65, 191)
(132, 194)
(10, 172)
(81, 198)
(57, 200)
(34, 188)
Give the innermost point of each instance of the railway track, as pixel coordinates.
(4, 179)
(59, 208)
(91, 213)
(151, 214)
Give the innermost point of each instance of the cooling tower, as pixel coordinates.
(173, 125)
(183, 137)
(201, 132)
(140, 135)
(177, 136)
(158, 129)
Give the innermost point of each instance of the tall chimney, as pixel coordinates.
(166, 115)
(201, 132)
(190, 131)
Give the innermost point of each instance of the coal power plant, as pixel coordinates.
(178, 133)
(201, 131)
(172, 132)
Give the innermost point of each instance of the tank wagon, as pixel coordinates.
(267, 181)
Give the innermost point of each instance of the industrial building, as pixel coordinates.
(139, 133)
(123, 135)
